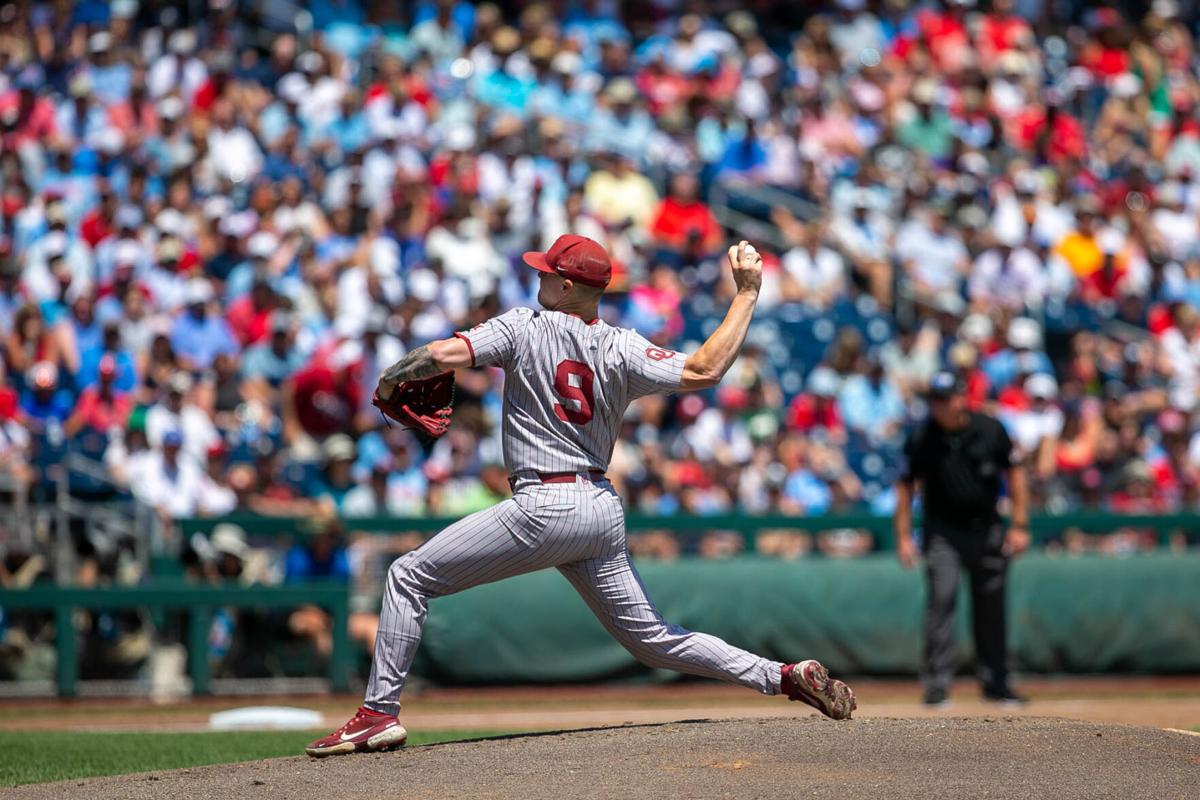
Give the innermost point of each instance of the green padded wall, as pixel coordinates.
(1067, 614)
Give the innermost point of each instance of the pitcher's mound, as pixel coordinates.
(775, 758)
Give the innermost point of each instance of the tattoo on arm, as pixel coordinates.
(418, 364)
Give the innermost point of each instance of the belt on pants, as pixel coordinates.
(593, 475)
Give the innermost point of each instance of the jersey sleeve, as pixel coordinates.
(495, 341)
(652, 369)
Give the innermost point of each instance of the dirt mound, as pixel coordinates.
(775, 758)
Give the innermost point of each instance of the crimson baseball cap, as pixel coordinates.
(575, 257)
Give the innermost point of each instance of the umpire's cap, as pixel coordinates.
(575, 257)
(945, 383)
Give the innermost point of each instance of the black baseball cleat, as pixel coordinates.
(1004, 695)
(936, 698)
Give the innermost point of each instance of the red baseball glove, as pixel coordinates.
(422, 405)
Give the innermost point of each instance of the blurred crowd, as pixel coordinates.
(220, 220)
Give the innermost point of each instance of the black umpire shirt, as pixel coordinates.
(960, 470)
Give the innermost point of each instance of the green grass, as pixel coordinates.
(54, 756)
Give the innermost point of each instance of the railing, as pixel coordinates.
(128, 518)
(724, 201)
(198, 602)
(1042, 526)
(17, 515)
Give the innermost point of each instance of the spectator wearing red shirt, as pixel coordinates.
(1106, 56)
(682, 218)
(34, 122)
(101, 407)
(136, 117)
(945, 34)
(816, 408)
(250, 315)
(1001, 30)
(963, 357)
(8, 397)
(1051, 133)
(100, 223)
(662, 88)
(323, 398)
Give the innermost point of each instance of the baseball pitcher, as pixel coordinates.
(568, 380)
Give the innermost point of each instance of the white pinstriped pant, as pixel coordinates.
(578, 528)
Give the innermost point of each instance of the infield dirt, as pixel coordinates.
(776, 758)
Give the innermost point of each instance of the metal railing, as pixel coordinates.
(198, 602)
(128, 518)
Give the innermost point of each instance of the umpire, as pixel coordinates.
(958, 458)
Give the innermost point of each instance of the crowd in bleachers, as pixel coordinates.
(216, 229)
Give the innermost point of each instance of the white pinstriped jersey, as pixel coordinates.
(567, 385)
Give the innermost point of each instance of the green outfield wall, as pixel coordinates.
(1084, 614)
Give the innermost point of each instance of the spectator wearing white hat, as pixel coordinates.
(45, 404)
(461, 243)
(1034, 421)
(177, 411)
(178, 69)
(1173, 221)
(1023, 354)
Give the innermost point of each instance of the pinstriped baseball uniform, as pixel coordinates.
(567, 385)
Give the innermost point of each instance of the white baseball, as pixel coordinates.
(750, 249)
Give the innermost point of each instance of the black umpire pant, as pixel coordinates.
(979, 549)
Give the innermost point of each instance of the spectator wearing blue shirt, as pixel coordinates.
(198, 336)
(808, 493)
(335, 480)
(462, 13)
(85, 329)
(109, 344)
(621, 127)
(1022, 356)
(111, 79)
(323, 557)
(349, 129)
(274, 361)
(871, 404)
(743, 157)
(44, 404)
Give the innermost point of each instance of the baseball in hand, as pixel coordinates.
(750, 249)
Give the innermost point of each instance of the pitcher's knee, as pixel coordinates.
(403, 576)
(654, 643)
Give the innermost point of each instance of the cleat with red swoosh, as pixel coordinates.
(366, 732)
(809, 682)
